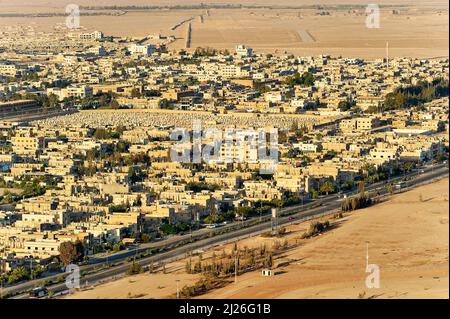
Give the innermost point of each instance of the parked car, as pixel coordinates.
(39, 292)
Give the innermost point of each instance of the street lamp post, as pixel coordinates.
(31, 268)
(235, 267)
(367, 254)
(260, 212)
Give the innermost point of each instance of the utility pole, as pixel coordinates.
(260, 211)
(178, 289)
(135, 252)
(275, 220)
(367, 254)
(235, 267)
(31, 268)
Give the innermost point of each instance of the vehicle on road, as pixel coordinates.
(39, 292)
(400, 185)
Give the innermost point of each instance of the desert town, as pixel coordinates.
(87, 125)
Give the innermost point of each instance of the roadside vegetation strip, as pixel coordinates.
(220, 231)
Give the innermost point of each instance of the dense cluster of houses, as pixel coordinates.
(100, 176)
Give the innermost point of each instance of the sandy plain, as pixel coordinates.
(407, 236)
(415, 29)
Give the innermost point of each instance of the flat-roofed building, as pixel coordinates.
(243, 51)
(96, 35)
(142, 49)
(27, 144)
(8, 69)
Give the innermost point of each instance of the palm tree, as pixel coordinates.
(408, 166)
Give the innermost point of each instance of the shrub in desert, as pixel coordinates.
(276, 245)
(354, 203)
(134, 269)
(252, 260)
(188, 266)
(338, 215)
(268, 260)
(198, 264)
(262, 250)
(316, 228)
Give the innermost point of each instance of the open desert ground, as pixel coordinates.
(414, 29)
(407, 237)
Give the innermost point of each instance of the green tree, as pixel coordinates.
(346, 105)
(71, 252)
(145, 238)
(18, 274)
(408, 166)
(136, 93)
(114, 104)
(390, 188)
(326, 188)
(134, 269)
(305, 80)
(52, 101)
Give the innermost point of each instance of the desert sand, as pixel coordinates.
(413, 30)
(407, 237)
(145, 286)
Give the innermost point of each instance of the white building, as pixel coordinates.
(145, 49)
(307, 147)
(243, 51)
(8, 69)
(96, 35)
(228, 71)
(275, 97)
(72, 91)
(97, 50)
